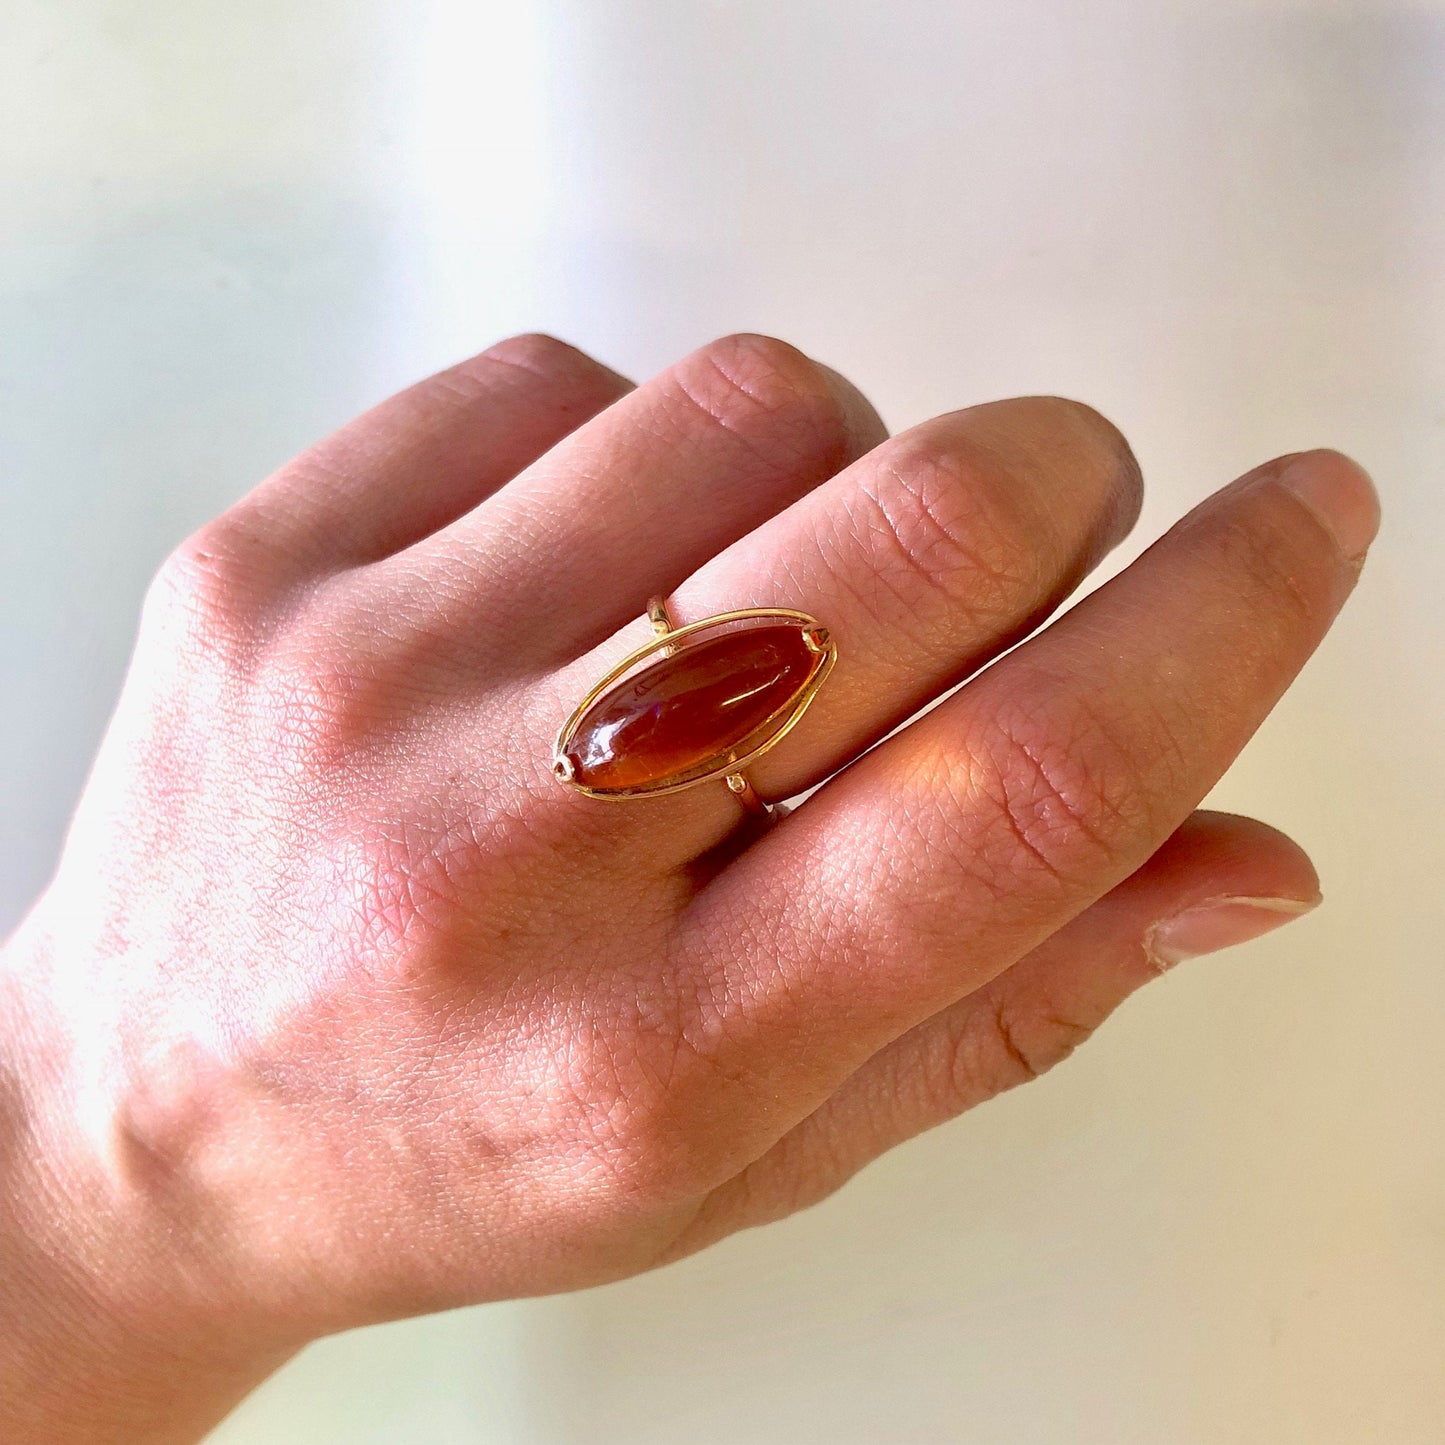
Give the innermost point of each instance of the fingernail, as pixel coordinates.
(1340, 493)
(1220, 923)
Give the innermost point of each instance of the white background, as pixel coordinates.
(226, 228)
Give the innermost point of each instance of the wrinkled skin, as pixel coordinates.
(342, 1008)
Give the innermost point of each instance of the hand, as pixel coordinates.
(341, 1008)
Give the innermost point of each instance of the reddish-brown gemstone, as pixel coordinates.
(689, 714)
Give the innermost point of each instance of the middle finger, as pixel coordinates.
(924, 560)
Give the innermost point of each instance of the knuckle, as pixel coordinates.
(647, 1093)
(408, 877)
(1094, 428)
(331, 694)
(317, 711)
(767, 392)
(1072, 444)
(1015, 1045)
(638, 1149)
(928, 527)
(209, 589)
(1061, 792)
(547, 358)
(1265, 563)
(636, 1167)
(1122, 476)
(1087, 432)
(167, 1115)
(770, 369)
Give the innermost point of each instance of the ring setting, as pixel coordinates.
(695, 704)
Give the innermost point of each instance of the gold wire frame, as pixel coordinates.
(665, 644)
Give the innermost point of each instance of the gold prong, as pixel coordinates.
(747, 795)
(816, 638)
(563, 768)
(658, 615)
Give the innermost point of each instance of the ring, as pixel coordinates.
(695, 704)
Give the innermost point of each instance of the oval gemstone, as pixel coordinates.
(689, 714)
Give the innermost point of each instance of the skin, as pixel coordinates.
(340, 1008)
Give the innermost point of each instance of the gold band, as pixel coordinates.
(659, 616)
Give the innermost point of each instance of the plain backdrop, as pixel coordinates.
(225, 229)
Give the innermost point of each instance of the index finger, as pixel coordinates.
(947, 853)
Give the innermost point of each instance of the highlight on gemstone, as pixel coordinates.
(694, 704)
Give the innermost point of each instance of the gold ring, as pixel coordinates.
(695, 704)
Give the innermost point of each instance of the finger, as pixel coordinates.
(1218, 881)
(955, 847)
(424, 457)
(628, 505)
(924, 560)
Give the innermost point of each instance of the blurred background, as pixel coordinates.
(226, 229)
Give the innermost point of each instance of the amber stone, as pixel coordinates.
(687, 715)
